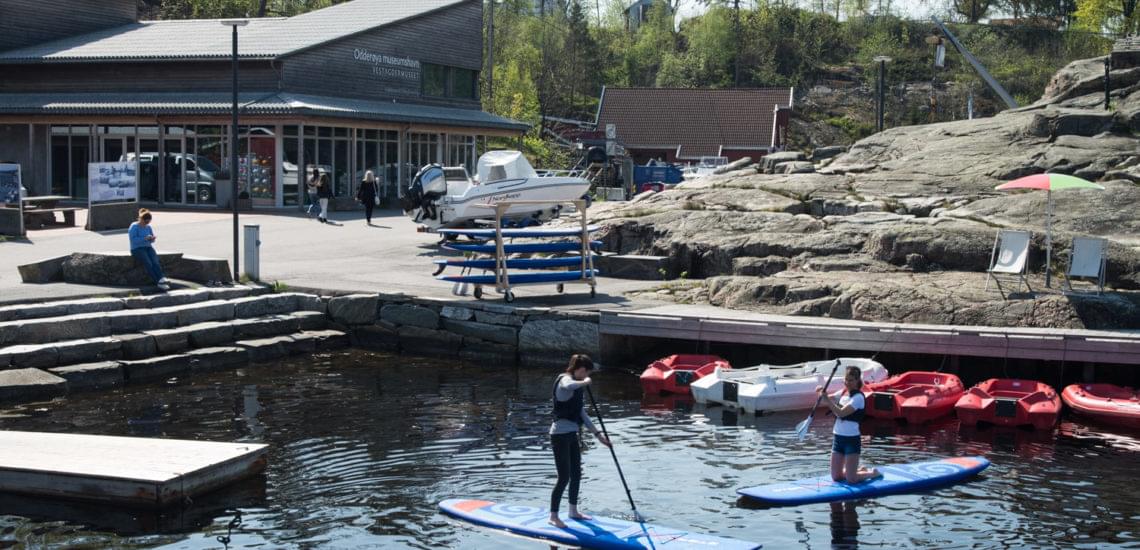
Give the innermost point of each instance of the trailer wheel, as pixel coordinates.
(509, 296)
(560, 288)
(478, 293)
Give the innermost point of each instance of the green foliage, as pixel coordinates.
(853, 128)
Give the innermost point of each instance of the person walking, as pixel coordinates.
(324, 193)
(367, 194)
(142, 248)
(569, 417)
(849, 411)
(312, 184)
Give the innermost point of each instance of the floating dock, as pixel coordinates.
(130, 471)
(713, 324)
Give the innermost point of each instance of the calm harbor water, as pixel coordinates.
(364, 445)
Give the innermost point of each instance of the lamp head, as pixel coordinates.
(235, 22)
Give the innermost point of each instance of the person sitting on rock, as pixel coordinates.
(142, 248)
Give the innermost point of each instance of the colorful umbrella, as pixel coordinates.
(1050, 183)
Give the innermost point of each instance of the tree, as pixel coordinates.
(972, 10)
(1116, 16)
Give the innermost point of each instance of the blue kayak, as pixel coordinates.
(514, 263)
(519, 278)
(598, 533)
(564, 246)
(897, 478)
(518, 233)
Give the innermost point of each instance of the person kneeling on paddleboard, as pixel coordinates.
(848, 412)
(569, 416)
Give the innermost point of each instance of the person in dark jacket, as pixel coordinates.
(367, 194)
(324, 193)
(569, 417)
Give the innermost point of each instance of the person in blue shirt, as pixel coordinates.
(142, 248)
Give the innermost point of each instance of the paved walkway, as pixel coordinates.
(300, 252)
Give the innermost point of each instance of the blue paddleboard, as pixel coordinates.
(519, 233)
(897, 478)
(518, 278)
(514, 263)
(598, 533)
(521, 248)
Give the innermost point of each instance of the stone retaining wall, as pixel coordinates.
(476, 331)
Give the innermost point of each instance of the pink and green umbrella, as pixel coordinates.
(1049, 183)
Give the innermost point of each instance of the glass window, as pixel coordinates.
(342, 185)
(310, 130)
(290, 130)
(435, 80)
(371, 134)
(324, 131)
(464, 83)
(60, 163)
(340, 132)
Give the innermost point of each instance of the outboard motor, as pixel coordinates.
(427, 186)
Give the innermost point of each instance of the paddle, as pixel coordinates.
(802, 427)
(597, 412)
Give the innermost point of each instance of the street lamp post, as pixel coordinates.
(882, 61)
(234, 24)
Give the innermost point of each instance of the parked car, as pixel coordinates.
(200, 172)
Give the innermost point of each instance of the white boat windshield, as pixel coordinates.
(504, 165)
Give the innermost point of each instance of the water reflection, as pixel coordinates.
(845, 525)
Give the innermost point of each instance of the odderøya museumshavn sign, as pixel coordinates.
(387, 65)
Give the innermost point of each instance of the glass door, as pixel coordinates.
(148, 170)
(173, 176)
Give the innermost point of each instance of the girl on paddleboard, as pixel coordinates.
(848, 412)
(569, 417)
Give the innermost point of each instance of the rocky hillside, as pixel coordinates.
(900, 227)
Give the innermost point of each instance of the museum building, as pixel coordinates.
(381, 85)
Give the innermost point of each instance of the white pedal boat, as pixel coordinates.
(770, 388)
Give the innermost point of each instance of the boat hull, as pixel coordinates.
(675, 373)
(768, 388)
(914, 396)
(1010, 402)
(1106, 403)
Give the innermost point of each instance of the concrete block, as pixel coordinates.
(43, 271)
(326, 340)
(24, 385)
(506, 319)
(89, 376)
(265, 349)
(268, 304)
(263, 327)
(217, 359)
(429, 341)
(301, 344)
(201, 269)
(558, 337)
(375, 337)
(40, 331)
(88, 350)
(310, 320)
(229, 292)
(493, 333)
(137, 346)
(213, 333)
(410, 315)
(354, 309)
(138, 320)
(32, 356)
(157, 368)
(482, 351)
(214, 310)
(168, 299)
(94, 305)
(457, 313)
(32, 311)
(311, 302)
(171, 340)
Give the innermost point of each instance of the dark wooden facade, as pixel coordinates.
(27, 22)
(165, 76)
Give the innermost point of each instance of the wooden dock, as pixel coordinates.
(713, 324)
(132, 471)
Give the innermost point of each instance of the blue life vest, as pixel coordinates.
(570, 409)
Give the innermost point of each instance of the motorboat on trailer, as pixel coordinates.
(769, 388)
(440, 197)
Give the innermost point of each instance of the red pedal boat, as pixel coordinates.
(914, 396)
(673, 374)
(1010, 402)
(1108, 403)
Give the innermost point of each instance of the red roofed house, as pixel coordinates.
(685, 124)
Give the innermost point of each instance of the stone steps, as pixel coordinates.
(32, 384)
(53, 348)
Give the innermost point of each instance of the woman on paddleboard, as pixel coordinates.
(569, 417)
(848, 413)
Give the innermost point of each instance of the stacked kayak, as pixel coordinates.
(1108, 403)
(779, 387)
(1010, 402)
(674, 374)
(914, 396)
